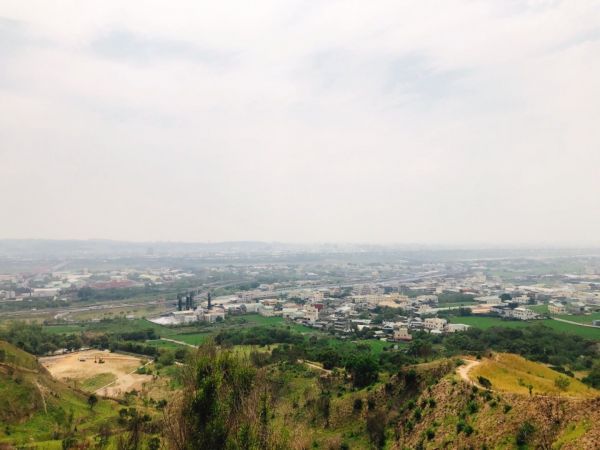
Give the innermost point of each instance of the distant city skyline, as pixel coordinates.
(453, 123)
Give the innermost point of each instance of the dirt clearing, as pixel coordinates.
(88, 367)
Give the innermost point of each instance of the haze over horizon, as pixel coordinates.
(456, 122)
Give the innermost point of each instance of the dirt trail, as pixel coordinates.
(178, 342)
(124, 380)
(463, 370)
(314, 366)
(574, 323)
(39, 388)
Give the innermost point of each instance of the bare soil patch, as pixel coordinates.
(80, 367)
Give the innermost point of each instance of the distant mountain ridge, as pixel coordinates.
(40, 248)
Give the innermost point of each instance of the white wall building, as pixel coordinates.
(454, 327)
(434, 323)
(311, 314)
(556, 308)
(402, 334)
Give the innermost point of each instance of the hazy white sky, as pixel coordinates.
(368, 121)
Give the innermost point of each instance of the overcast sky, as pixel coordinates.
(456, 122)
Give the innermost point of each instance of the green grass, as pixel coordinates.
(376, 345)
(191, 338)
(573, 432)
(17, 357)
(586, 332)
(164, 344)
(32, 404)
(257, 319)
(586, 319)
(97, 381)
(488, 322)
(40, 426)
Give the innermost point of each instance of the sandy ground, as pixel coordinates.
(80, 366)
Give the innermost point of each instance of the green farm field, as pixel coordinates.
(488, 322)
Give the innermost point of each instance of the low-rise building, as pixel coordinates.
(434, 323)
(556, 308)
(311, 313)
(266, 311)
(454, 327)
(516, 313)
(402, 334)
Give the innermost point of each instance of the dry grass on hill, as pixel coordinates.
(513, 373)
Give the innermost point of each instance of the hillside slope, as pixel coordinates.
(454, 414)
(36, 407)
(513, 373)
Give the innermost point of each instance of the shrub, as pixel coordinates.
(562, 383)
(484, 382)
(430, 434)
(524, 434)
(472, 407)
(417, 415)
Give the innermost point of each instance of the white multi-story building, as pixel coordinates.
(267, 311)
(523, 314)
(454, 327)
(45, 292)
(489, 299)
(434, 323)
(311, 313)
(291, 312)
(521, 299)
(516, 313)
(556, 308)
(402, 334)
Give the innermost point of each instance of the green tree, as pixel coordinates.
(135, 424)
(223, 394)
(92, 400)
(364, 369)
(593, 378)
